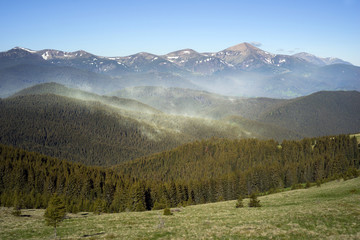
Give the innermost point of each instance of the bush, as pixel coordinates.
(167, 212)
(318, 183)
(307, 185)
(273, 190)
(296, 186)
(16, 212)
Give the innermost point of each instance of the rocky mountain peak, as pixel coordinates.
(242, 47)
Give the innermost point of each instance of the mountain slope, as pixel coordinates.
(196, 62)
(58, 89)
(18, 56)
(247, 158)
(101, 132)
(76, 130)
(322, 113)
(318, 60)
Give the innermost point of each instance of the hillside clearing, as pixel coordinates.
(331, 211)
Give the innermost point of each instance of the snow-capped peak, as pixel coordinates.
(25, 49)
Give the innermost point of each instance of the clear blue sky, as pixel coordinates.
(327, 28)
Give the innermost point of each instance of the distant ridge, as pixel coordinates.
(239, 70)
(319, 114)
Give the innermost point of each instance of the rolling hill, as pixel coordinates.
(319, 114)
(80, 131)
(101, 130)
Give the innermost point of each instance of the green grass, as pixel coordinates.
(331, 211)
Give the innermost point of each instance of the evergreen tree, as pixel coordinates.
(137, 201)
(17, 205)
(254, 202)
(55, 212)
(239, 202)
(99, 206)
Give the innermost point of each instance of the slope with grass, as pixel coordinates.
(331, 211)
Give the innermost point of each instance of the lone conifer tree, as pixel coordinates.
(254, 202)
(17, 205)
(55, 212)
(239, 202)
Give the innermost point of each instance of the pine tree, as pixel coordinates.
(254, 202)
(239, 202)
(99, 206)
(55, 212)
(17, 205)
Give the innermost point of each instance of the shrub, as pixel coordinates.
(167, 212)
(318, 183)
(296, 186)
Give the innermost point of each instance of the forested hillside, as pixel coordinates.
(319, 114)
(87, 132)
(199, 172)
(58, 89)
(101, 131)
(274, 164)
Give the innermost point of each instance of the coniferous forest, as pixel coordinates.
(199, 172)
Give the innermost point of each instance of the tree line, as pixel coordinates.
(199, 172)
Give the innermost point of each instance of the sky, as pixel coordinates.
(326, 28)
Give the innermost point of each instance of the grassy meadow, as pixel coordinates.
(331, 211)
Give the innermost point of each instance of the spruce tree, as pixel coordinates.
(239, 202)
(55, 212)
(17, 204)
(254, 202)
(99, 206)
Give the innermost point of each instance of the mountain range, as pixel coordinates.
(240, 70)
